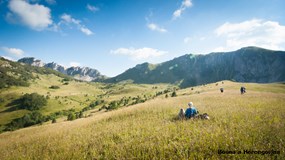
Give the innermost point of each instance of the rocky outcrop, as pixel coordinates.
(80, 73)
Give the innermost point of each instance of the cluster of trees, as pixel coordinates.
(32, 101)
(7, 80)
(27, 120)
(35, 117)
(93, 105)
(61, 113)
(127, 101)
(72, 116)
(124, 102)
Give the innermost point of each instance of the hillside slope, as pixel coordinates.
(63, 94)
(249, 64)
(150, 131)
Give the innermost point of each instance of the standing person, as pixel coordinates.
(242, 90)
(191, 111)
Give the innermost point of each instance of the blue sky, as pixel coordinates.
(114, 35)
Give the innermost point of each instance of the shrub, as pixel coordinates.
(71, 117)
(173, 94)
(80, 114)
(65, 79)
(53, 120)
(54, 87)
(113, 105)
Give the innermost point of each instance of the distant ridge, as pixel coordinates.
(248, 64)
(80, 73)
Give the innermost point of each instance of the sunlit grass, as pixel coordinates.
(253, 121)
(76, 95)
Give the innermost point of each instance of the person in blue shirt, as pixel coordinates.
(191, 111)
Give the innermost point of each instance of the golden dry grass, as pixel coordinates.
(254, 121)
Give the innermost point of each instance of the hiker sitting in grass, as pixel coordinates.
(191, 111)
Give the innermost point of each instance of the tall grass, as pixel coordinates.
(254, 121)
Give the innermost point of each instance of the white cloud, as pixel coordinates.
(67, 19)
(13, 51)
(86, 31)
(74, 64)
(35, 16)
(92, 8)
(155, 27)
(255, 32)
(177, 13)
(185, 4)
(140, 53)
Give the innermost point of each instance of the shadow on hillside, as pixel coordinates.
(10, 109)
(12, 106)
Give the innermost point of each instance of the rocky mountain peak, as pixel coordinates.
(80, 73)
(32, 61)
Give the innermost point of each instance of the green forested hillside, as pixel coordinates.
(249, 64)
(17, 74)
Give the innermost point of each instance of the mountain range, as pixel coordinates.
(249, 64)
(80, 73)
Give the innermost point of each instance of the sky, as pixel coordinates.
(114, 35)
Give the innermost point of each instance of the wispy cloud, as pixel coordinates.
(86, 31)
(35, 16)
(68, 19)
(155, 27)
(13, 51)
(185, 4)
(140, 53)
(92, 8)
(255, 32)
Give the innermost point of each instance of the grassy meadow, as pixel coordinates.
(253, 121)
(75, 95)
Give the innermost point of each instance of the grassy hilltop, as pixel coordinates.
(149, 130)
